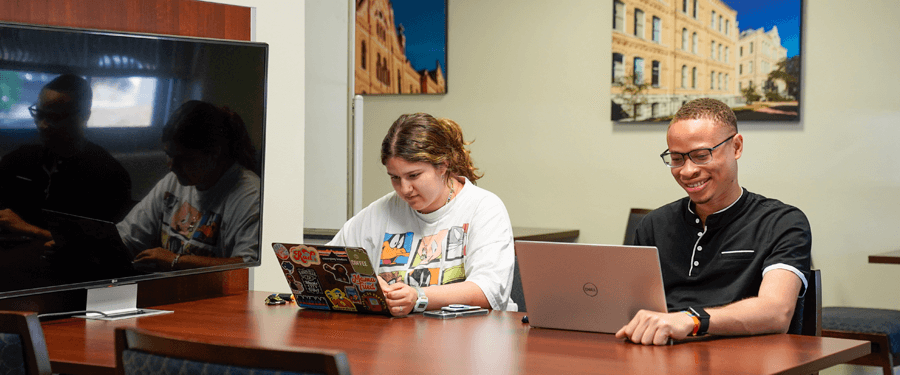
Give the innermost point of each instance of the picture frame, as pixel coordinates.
(742, 52)
(401, 47)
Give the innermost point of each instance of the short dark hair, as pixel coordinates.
(76, 88)
(707, 108)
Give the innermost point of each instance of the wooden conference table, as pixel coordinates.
(497, 343)
(891, 257)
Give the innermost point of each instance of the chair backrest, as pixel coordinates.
(516, 294)
(139, 351)
(22, 344)
(634, 217)
(812, 305)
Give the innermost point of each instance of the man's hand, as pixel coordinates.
(401, 298)
(655, 328)
(11, 221)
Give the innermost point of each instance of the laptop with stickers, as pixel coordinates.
(584, 287)
(333, 278)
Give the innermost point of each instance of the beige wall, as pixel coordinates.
(280, 24)
(529, 82)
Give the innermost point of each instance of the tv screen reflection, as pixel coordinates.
(152, 152)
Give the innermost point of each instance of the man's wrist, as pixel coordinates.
(703, 317)
(696, 321)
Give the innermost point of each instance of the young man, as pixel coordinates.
(65, 172)
(733, 262)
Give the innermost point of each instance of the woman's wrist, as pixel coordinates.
(175, 261)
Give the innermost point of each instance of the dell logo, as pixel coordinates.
(590, 289)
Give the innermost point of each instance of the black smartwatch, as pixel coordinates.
(703, 317)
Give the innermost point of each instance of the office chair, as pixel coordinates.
(516, 294)
(22, 344)
(811, 324)
(140, 351)
(634, 217)
(880, 326)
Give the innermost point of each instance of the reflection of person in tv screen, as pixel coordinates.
(65, 172)
(205, 212)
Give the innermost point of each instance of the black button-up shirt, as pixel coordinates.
(725, 261)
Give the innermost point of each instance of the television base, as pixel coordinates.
(114, 303)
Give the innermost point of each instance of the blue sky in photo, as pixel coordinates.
(786, 14)
(424, 24)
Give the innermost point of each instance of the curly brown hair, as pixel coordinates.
(420, 137)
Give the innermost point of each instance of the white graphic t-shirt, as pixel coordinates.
(469, 239)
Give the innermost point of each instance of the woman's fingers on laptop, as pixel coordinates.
(400, 297)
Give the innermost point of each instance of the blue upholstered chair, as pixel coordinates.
(140, 352)
(22, 346)
(880, 326)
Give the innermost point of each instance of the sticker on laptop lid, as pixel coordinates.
(281, 251)
(305, 255)
(339, 300)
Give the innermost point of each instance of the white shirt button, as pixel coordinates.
(696, 263)
(699, 248)
(697, 221)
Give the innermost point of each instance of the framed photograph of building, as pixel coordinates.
(745, 53)
(401, 47)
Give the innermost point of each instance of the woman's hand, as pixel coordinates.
(157, 256)
(401, 298)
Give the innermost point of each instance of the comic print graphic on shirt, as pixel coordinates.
(455, 274)
(395, 248)
(456, 242)
(393, 276)
(423, 277)
(189, 230)
(430, 249)
(437, 258)
(208, 228)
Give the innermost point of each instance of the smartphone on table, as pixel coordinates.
(456, 310)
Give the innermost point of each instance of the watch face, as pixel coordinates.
(420, 305)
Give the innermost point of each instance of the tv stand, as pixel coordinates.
(114, 303)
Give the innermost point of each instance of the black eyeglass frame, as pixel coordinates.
(54, 117)
(687, 155)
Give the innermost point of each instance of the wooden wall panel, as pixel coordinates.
(173, 17)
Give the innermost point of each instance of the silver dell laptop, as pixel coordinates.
(583, 287)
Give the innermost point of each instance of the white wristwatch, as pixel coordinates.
(421, 302)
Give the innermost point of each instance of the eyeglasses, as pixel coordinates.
(52, 117)
(699, 156)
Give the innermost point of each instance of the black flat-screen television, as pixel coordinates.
(137, 81)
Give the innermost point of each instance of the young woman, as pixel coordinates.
(437, 239)
(205, 212)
